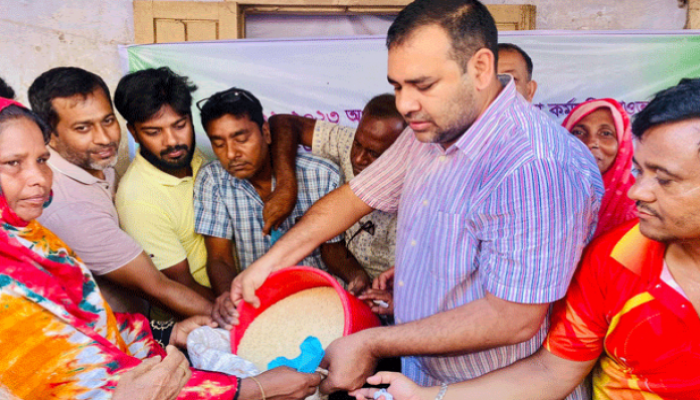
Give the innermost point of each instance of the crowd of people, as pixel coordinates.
(510, 257)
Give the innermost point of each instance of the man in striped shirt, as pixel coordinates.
(495, 204)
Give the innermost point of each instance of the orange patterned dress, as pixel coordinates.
(58, 336)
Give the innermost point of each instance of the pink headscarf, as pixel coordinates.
(616, 208)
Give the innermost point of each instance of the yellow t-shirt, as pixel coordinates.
(157, 210)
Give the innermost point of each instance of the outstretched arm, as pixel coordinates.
(140, 274)
(287, 131)
(328, 217)
(543, 376)
(482, 324)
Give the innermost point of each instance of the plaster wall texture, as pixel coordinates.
(36, 35)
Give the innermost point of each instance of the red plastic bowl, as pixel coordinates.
(288, 281)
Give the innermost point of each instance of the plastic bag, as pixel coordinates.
(210, 350)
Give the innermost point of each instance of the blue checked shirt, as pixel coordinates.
(227, 207)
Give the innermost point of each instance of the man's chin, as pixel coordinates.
(654, 233)
(102, 165)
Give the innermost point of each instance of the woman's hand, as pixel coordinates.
(154, 379)
(181, 329)
(400, 387)
(281, 383)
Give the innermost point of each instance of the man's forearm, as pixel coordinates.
(220, 276)
(476, 326)
(328, 217)
(183, 300)
(543, 376)
(285, 140)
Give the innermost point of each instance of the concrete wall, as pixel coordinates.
(36, 35)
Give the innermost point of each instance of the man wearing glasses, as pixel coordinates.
(229, 195)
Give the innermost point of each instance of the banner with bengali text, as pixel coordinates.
(332, 78)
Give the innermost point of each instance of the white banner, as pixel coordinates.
(332, 78)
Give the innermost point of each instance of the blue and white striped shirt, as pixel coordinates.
(507, 210)
(228, 207)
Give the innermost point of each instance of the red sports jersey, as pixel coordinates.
(646, 334)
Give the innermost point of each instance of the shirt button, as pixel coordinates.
(442, 158)
(425, 202)
(401, 283)
(413, 242)
(682, 305)
(658, 286)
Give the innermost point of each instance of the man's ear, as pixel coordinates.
(481, 68)
(132, 131)
(531, 89)
(53, 139)
(266, 132)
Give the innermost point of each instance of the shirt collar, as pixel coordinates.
(71, 170)
(165, 178)
(490, 122)
(638, 253)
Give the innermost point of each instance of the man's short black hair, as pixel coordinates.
(468, 23)
(382, 106)
(519, 50)
(236, 102)
(59, 83)
(6, 90)
(675, 104)
(16, 112)
(141, 94)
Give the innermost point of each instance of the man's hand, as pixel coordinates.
(178, 337)
(278, 206)
(247, 282)
(376, 299)
(359, 282)
(154, 379)
(282, 383)
(385, 280)
(224, 312)
(349, 361)
(400, 387)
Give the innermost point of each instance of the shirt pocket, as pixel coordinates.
(449, 248)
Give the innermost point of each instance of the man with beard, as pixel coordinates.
(154, 200)
(495, 204)
(631, 312)
(85, 136)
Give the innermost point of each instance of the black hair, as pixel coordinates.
(234, 101)
(13, 112)
(468, 23)
(141, 94)
(675, 104)
(6, 90)
(519, 50)
(59, 83)
(383, 106)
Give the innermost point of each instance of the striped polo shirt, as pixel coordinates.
(507, 210)
(619, 309)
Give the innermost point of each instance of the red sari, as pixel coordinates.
(616, 208)
(58, 337)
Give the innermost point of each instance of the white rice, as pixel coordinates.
(280, 329)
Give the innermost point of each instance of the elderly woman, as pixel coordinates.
(604, 126)
(58, 336)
